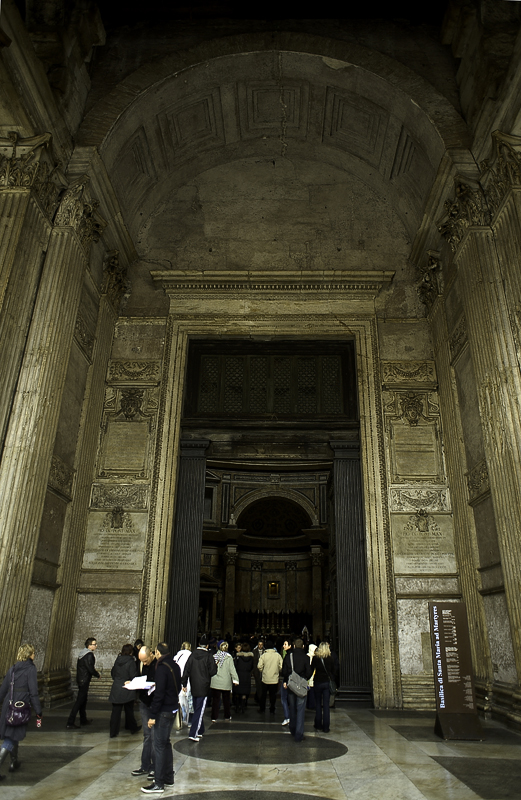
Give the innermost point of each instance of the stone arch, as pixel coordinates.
(441, 114)
(261, 494)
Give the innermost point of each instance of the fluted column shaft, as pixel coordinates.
(188, 538)
(352, 602)
(464, 534)
(24, 233)
(30, 437)
(317, 590)
(499, 388)
(73, 542)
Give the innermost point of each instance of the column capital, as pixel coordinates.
(345, 449)
(193, 448)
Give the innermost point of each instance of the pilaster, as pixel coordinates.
(230, 559)
(34, 415)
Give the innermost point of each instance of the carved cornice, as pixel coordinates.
(467, 209)
(78, 211)
(83, 337)
(131, 497)
(61, 477)
(279, 282)
(115, 279)
(408, 373)
(414, 499)
(28, 164)
(146, 372)
(504, 172)
(458, 338)
(478, 482)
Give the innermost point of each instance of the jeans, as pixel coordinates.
(297, 713)
(164, 766)
(80, 705)
(321, 691)
(147, 754)
(284, 700)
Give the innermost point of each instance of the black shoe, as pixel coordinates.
(137, 773)
(86, 722)
(136, 730)
(70, 726)
(152, 788)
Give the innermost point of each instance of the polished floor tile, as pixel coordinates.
(367, 755)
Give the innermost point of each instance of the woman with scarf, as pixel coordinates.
(222, 682)
(25, 690)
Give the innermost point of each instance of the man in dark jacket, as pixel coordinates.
(199, 668)
(163, 708)
(85, 670)
(297, 705)
(147, 661)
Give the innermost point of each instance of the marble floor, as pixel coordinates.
(368, 755)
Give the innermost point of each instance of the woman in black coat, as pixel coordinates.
(25, 690)
(123, 671)
(244, 666)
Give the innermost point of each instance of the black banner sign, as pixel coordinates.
(456, 713)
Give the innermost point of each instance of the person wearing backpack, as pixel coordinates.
(296, 662)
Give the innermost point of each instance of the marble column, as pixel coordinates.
(351, 574)
(230, 559)
(73, 544)
(28, 197)
(188, 537)
(317, 560)
(28, 448)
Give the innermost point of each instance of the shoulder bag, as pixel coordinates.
(296, 684)
(18, 713)
(332, 685)
(177, 719)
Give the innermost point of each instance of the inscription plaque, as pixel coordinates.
(115, 548)
(456, 713)
(423, 545)
(125, 448)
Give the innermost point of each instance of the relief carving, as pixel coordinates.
(28, 164)
(505, 172)
(411, 406)
(230, 559)
(422, 522)
(131, 496)
(399, 372)
(115, 280)
(478, 482)
(290, 566)
(468, 208)
(130, 402)
(256, 566)
(459, 338)
(411, 499)
(83, 337)
(431, 281)
(61, 477)
(142, 371)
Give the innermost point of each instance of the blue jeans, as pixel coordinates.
(164, 766)
(284, 700)
(147, 754)
(297, 713)
(322, 701)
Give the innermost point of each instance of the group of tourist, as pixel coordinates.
(178, 689)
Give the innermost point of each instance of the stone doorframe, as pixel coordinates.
(328, 305)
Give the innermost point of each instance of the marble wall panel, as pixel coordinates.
(500, 638)
(413, 620)
(70, 411)
(111, 618)
(115, 543)
(37, 621)
(423, 543)
(486, 533)
(125, 448)
(51, 528)
(143, 340)
(404, 341)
